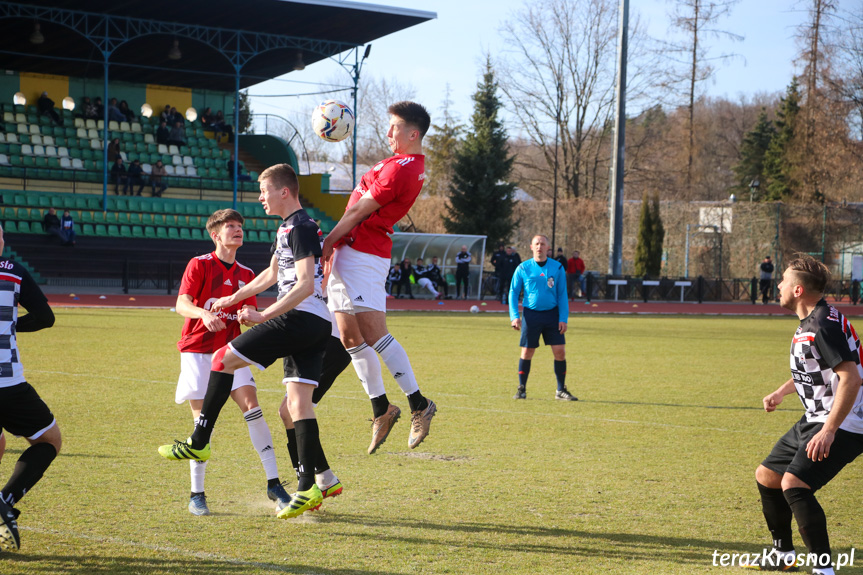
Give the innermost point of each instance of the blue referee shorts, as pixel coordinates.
(546, 323)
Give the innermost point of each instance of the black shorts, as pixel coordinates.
(23, 413)
(546, 323)
(789, 454)
(298, 336)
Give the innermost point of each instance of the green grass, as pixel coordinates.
(650, 472)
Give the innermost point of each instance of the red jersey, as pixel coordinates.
(395, 184)
(206, 279)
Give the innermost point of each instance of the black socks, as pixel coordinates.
(28, 471)
(778, 515)
(218, 392)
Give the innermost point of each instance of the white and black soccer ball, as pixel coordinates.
(333, 120)
(474, 309)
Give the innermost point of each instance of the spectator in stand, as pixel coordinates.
(407, 271)
(156, 174)
(178, 135)
(511, 262)
(421, 275)
(100, 109)
(206, 118)
(114, 113)
(163, 133)
(393, 278)
(575, 274)
(114, 150)
(134, 177)
(127, 111)
(220, 125)
(68, 228)
(240, 175)
(561, 259)
(166, 115)
(462, 271)
(45, 106)
(176, 117)
(118, 175)
(88, 109)
(51, 225)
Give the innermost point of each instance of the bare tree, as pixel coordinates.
(693, 63)
(375, 96)
(557, 77)
(440, 149)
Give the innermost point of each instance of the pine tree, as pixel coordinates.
(645, 239)
(481, 199)
(778, 162)
(656, 240)
(753, 149)
(245, 126)
(440, 150)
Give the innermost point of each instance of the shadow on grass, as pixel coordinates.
(33, 564)
(686, 405)
(630, 546)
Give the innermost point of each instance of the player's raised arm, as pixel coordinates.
(261, 282)
(772, 400)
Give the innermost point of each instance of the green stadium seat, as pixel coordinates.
(88, 230)
(11, 227)
(114, 230)
(147, 219)
(197, 234)
(86, 217)
(173, 233)
(185, 234)
(134, 219)
(137, 231)
(252, 236)
(159, 219)
(24, 227)
(162, 233)
(126, 231)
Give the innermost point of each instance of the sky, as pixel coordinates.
(450, 51)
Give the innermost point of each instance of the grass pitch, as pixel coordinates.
(651, 472)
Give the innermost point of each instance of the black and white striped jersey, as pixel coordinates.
(824, 339)
(297, 238)
(16, 286)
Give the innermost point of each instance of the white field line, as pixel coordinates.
(457, 407)
(165, 549)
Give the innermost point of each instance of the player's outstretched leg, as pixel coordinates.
(308, 495)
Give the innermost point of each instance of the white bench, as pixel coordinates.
(616, 284)
(682, 285)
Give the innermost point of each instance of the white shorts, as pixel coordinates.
(357, 281)
(195, 375)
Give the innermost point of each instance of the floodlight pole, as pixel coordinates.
(355, 74)
(615, 228)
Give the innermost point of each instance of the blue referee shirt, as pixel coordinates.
(544, 288)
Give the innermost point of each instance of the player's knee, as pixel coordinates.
(285, 414)
(791, 481)
(768, 478)
(52, 437)
(218, 361)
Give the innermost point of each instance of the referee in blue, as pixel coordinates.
(546, 311)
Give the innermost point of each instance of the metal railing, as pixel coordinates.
(272, 125)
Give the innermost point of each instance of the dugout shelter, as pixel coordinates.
(444, 247)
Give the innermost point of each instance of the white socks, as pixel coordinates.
(368, 369)
(198, 469)
(262, 440)
(396, 359)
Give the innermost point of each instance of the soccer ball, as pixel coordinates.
(474, 309)
(333, 120)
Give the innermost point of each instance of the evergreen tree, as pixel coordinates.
(245, 126)
(645, 239)
(651, 234)
(481, 199)
(656, 241)
(778, 160)
(440, 149)
(752, 152)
